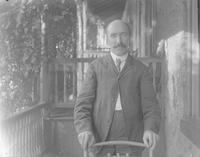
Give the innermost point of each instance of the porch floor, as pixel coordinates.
(53, 153)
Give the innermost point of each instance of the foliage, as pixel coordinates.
(20, 45)
(19, 53)
(20, 49)
(61, 29)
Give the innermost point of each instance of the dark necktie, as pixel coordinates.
(118, 64)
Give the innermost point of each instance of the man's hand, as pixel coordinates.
(150, 138)
(86, 139)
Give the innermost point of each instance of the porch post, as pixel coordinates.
(43, 78)
(43, 70)
(80, 39)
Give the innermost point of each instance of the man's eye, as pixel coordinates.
(113, 35)
(124, 34)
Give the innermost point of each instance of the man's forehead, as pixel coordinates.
(117, 25)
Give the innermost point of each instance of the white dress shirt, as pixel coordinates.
(123, 58)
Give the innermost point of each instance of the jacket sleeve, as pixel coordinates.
(150, 106)
(84, 103)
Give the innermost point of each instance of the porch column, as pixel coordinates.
(43, 69)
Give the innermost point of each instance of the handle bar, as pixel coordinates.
(128, 143)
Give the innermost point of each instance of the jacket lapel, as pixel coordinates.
(130, 61)
(111, 64)
(129, 65)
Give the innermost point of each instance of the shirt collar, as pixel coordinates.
(122, 58)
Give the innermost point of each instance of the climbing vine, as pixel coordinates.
(20, 46)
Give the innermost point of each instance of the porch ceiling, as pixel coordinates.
(107, 8)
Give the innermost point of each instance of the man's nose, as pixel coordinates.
(119, 40)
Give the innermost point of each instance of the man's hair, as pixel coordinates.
(127, 24)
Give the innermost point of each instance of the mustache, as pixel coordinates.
(120, 45)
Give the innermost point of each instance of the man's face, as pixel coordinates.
(118, 37)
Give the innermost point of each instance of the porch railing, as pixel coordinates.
(22, 134)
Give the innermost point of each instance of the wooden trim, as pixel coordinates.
(190, 127)
(76, 60)
(71, 60)
(96, 51)
(24, 112)
(67, 104)
(59, 118)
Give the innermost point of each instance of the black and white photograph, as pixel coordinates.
(99, 78)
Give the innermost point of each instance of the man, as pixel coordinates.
(117, 100)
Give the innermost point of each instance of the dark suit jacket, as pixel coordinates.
(96, 100)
